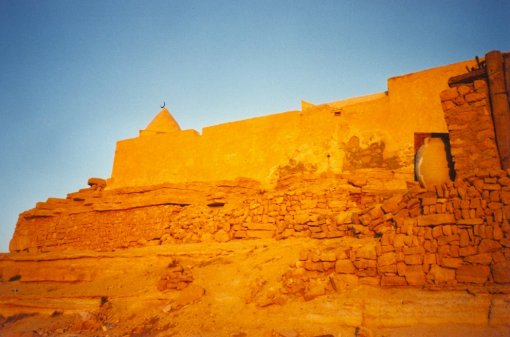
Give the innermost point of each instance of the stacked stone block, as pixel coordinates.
(472, 139)
(456, 235)
(450, 232)
(104, 220)
(175, 277)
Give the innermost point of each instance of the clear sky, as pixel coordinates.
(77, 76)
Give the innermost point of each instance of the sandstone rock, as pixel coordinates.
(442, 275)
(497, 233)
(505, 196)
(467, 251)
(413, 250)
(366, 252)
(357, 181)
(492, 187)
(189, 295)
(369, 280)
(413, 259)
(487, 246)
(86, 321)
(316, 288)
(344, 267)
(259, 234)
(97, 182)
(302, 218)
(484, 258)
(414, 275)
(428, 201)
(475, 96)
(392, 280)
(480, 85)
(365, 264)
(464, 238)
(437, 231)
(389, 269)
(449, 94)
(473, 274)
(435, 219)
(242, 234)
(499, 312)
(401, 268)
(330, 256)
(343, 217)
(387, 259)
(429, 259)
(288, 333)
(501, 272)
(399, 240)
(451, 262)
(344, 281)
(221, 236)
(392, 205)
(448, 105)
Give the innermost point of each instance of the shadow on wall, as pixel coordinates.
(372, 156)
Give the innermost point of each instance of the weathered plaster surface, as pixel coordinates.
(256, 148)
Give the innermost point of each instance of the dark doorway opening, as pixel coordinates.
(419, 139)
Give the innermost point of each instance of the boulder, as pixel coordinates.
(97, 183)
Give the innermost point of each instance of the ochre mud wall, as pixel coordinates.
(317, 135)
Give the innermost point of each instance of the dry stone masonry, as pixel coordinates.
(468, 116)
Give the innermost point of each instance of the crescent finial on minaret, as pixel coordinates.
(163, 105)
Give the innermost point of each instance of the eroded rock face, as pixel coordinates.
(97, 183)
(258, 287)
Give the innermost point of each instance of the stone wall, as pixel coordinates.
(471, 129)
(303, 204)
(457, 233)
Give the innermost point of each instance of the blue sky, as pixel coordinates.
(77, 76)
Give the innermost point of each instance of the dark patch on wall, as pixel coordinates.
(372, 156)
(296, 167)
